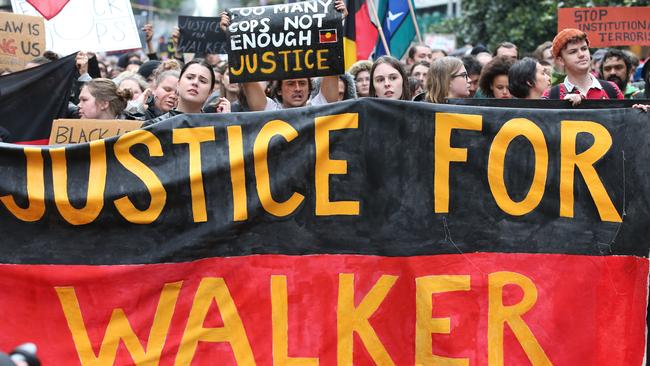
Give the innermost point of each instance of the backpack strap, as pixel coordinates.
(609, 89)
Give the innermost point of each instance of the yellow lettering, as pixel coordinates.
(280, 321)
(263, 180)
(237, 173)
(239, 71)
(232, 331)
(297, 58)
(267, 57)
(285, 55)
(445, 154)
(120, 329)
(321, 58)
(499, 314)
(425, 325)
(308, 54)
(585, 162)
(193, 137)
(251, 63)
(326, 167)
(35, 188)
(156, 189)
(351, 319)
(96, 184)
(510, 130)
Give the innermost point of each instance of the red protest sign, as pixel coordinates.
(610, 26)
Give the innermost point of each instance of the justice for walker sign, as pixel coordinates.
(366, 232)
(295, 40)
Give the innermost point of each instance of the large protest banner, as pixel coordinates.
(98, 25)
(485, 236)
(22, 38)
(609, 26)
(286, 41)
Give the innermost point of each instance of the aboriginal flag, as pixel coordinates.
(360, 33)
(31, 99)
(509, 236)
(327, 36)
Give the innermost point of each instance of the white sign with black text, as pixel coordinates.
(82, 25)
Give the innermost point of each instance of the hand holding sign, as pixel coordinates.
(82, 62)
(339, 5)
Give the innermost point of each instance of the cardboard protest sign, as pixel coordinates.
(201, 35)
(608, 26)
(76, 131)
(22, 37)
(286, 41)
(98, 26)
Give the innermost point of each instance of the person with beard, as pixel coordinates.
(616, 68)
(289, 93)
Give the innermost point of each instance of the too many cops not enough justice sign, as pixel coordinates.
(285, 41)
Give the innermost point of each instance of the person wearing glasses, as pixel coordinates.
(447, 78)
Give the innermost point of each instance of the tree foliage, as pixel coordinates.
(524, 23)
(167, 4)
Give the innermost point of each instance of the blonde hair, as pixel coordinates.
(439, 78)
(105, 90)
(167, 65)
(357, 67)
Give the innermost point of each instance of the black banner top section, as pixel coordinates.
(548, 103)
(201, 35)
(285, 41)
(368, 176)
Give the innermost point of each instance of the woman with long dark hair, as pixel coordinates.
(389, 80)
(194, 87)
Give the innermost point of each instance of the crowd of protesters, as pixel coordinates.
(146, 88)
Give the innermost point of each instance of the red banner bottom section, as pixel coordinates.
(473, 309)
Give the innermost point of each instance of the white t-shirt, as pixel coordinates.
(272, 105)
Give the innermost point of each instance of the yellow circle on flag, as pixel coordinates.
(328, 35)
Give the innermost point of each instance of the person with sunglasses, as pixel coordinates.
(446, 79)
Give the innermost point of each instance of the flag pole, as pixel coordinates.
(373, 11)
(415, 22)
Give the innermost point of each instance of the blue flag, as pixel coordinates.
(397, 26)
